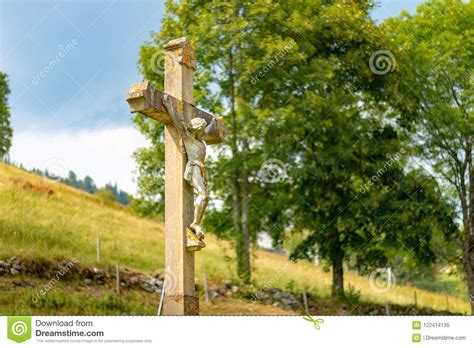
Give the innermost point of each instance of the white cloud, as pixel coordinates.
(104, 154)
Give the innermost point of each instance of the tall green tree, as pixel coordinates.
(293, 83)
(432, 94)
(330, 129)
(254, 59)
(89, 185)
(5, 128)
(225, 34)
(353, 200)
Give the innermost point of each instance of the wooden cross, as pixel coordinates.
(180, 298)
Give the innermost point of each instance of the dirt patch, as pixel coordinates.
(30, 186)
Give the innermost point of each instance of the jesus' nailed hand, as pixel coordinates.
(193, 135)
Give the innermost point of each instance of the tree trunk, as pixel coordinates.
(242, 259)
(337, 277)
(245, 272)
(237, 224)
(337, 257)
(468, 246)
(468, 262)
(466, 193)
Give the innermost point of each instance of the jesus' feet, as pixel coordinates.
(197, 230)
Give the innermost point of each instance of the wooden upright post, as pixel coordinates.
(180, 297)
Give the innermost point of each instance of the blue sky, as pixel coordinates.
(70, 64)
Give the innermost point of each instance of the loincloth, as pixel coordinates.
(188, 172)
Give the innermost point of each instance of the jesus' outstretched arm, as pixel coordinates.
(211, 126)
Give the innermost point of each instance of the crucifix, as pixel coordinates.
(187, 131)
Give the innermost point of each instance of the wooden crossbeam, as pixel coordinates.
(147, 100)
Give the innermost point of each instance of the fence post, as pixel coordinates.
(117, 278)
(305, 301)
(206, 292)
(98, 249)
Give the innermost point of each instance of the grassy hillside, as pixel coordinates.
(40, 219)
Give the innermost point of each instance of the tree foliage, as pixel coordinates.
(293, 83)
(431, 93)
(6, 132)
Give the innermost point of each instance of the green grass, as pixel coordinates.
(442, 282)
(67, 223)
(75, 298)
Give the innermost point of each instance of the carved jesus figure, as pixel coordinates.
(193, 135)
